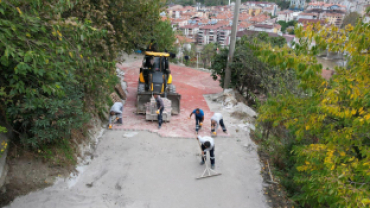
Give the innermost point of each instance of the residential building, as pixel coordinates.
(317, 6)
(254, 11)
(366, 19)
(176, 23)
(270, 10)
(183, 43)
(190, 31)
(286, 16)
(334, 18)
(297, 4)
(208, 34)
(304, 15)
(304, 22)
(223, 36)
(258, 19)
(271, 28)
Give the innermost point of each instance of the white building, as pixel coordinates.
(308, 16)
(297, 4)
(285, 16)
(366, 19)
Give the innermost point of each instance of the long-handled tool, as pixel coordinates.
(207, 170)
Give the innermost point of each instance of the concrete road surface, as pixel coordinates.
(141, 169)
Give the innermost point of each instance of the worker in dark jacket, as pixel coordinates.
(160, 107)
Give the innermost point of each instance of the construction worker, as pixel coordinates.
(207, 144)
(216, 120)
(116, 110)
(160, 107)
(199, 118)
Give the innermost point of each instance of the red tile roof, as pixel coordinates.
(183, 39)
(327, 74)
(211, 27)
(190, 26)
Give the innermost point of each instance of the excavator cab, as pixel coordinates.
(155, 77)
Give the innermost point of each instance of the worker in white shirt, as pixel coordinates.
(117, 110)
(216, 120)
(207, 144)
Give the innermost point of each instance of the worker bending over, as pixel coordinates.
(160, 107)
(215, 121)
(199, 118)
(116, 110)
(207, 144)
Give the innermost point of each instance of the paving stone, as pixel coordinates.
(191, 84)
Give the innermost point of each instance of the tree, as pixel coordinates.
(351, 18)
(285, 25)
(249, 74)
(329, 120)
(57, 60)
(207, 53)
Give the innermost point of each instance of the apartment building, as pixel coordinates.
(333, 18)
(270, 28)
(286, 16)
(223, 36)
(190, 31)
(297, 4)
(208, 34)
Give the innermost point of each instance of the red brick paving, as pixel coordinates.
(190, 83)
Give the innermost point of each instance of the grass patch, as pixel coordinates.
(61, 153)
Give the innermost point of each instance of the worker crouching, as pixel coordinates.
(115, 110)
(199, 118)
(216, 120)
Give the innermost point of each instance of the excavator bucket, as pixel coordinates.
(175, 103)
(143, 98)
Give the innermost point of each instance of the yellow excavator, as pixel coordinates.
(155, 77)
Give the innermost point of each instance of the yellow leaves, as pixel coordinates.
(307, 128)
(81, 56)
(302, 168)
(28, 35)
(307, 163)
(365, 201)
(367, 117)
(353, 112)
(342, 154)
(70, 54)
(46, 61)
(349, 28)
(54, 33)
(361, 110)
(59, 35)
(332, 167)
(19, 11)
(323, 83)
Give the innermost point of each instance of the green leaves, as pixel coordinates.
(327, 120)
